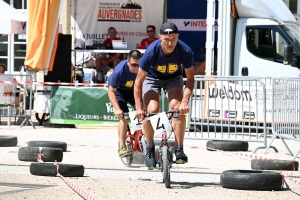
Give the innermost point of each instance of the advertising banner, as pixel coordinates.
(83, 105)
(130, 18)
(7, 91)
(191, 24)
(234, 102)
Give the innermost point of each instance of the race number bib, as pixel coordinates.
(135, 122)
(160, 123)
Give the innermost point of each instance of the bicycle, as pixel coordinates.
(165, 152)
(134, 142)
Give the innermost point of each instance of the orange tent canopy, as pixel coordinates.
(43, 18)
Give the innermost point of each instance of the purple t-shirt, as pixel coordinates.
(158, 66)
(122, 78)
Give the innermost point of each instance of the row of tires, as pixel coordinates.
(44, 155)
(261, 164)
(252, 179)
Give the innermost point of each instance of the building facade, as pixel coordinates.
(13, 47)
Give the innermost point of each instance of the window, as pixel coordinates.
(293, 6)
(280, 43)
(260, 43)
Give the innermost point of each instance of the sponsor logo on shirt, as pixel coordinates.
(162, 68)
(172, 68)
(129, 84)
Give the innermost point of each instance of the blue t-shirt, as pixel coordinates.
(122, 78)
(158, 66)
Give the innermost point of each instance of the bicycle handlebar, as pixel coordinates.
(125, 115)
(170, 114)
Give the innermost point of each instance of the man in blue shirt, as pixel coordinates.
(120, 92)
(161, 67)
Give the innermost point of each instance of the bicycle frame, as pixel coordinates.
(134, 139)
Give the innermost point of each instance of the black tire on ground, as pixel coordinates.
(251, 180)
(166, 166)
(48, 154)
(49, 169)
(52, 144)
(227, 145)
(274, 165)
(8, 141)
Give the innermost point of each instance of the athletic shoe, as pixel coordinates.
(181, 158)
(150, 157)
(123, 151)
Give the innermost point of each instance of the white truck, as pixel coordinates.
(254, 43)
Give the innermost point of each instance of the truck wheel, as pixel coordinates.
(48, 154)
(274, 164)
(251, 180)
(49, 169)
(52, 144)
(8, 141)
(227, 145)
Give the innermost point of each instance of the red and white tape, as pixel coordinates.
(261, 158)
(290, 178)
(8, 152)
(80, 192)
(241, 154)
(39, 158)
(50, 83)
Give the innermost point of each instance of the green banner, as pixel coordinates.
(84, 105)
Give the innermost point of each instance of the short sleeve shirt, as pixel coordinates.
(122, 78)
(161, 67)
(143, 42)
(108, 44)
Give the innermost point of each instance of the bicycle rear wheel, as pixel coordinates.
(166, 166)
(127, 160)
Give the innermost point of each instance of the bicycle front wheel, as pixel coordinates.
(127, 160)
(166, 166)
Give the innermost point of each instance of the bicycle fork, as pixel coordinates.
(164, 142)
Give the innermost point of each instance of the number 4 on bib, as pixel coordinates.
(135, 123)
(160, 123)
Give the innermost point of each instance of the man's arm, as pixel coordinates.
(138, 84)
(112, 97)
(189, 72)
(116, 56)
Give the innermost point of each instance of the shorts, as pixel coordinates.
(124, 97)
(156, 85)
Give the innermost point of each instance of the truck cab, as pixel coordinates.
(254, 43)
(259, 48)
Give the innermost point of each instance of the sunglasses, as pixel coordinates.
(148, 31)
(134, 65)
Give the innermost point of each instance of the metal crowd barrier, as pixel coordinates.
(286, 111)
(16, 99)
(231, 109)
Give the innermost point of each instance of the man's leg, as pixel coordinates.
(175, 97)
(151, 105)
(101, 63)
(122, 127)
(174, 93)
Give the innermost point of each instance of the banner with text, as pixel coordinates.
(82, 105)
(192, 24)
(236, 102)
(130, 19)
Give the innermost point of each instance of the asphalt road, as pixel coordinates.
(106, 177)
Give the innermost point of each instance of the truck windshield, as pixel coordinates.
(293, 31)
